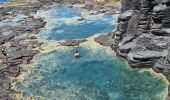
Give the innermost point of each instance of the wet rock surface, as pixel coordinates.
(18, 29)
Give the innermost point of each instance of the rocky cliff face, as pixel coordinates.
(143, 34)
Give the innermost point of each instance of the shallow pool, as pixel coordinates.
(63, 23)
(96, 75)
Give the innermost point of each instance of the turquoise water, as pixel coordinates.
(64, 24)
(96, 75)
(5, 0)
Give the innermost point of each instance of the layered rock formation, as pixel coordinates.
(143, 34)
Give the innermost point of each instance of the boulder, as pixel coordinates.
(126, 15)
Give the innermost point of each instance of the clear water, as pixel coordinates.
(96, 75)
(5, 0)
(63, 24)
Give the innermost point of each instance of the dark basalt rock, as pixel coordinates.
(19, 43)
(149, 20)
(159, 65)
(143, 37)
(126, 15)
(105, 40)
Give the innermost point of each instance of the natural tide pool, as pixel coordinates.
(96, 75)
(63, 23)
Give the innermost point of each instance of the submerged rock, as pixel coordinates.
(81, 19)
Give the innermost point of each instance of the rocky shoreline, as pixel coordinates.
(18, 41)
(143, 40)
(142, 35)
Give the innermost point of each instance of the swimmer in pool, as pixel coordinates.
(77, 54)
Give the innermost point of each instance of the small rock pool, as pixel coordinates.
(63, 23)
(96, 75)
